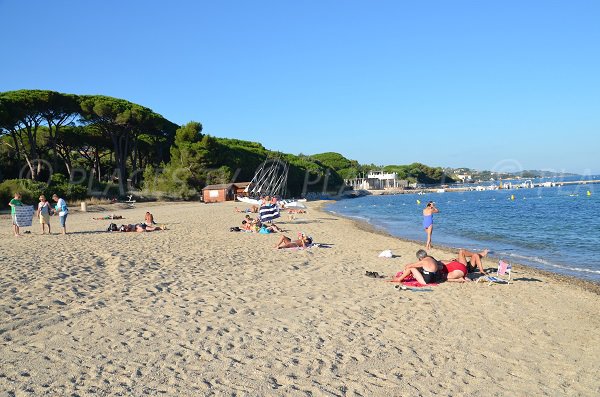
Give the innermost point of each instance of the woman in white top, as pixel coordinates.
(63, 211)
(43, 212)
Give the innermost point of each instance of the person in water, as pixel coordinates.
(424, 271)
(428, 212)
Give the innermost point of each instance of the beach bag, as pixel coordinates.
(45, 210)
(112, 227)
(386, 254)
(234, 229)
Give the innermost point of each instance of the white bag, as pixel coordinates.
(386, 254)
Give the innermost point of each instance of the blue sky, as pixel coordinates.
(498, 85)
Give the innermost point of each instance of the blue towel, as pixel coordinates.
(24, 215)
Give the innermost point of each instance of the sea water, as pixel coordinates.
(551, 228)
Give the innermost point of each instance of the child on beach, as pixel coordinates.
(43, 213)
(15, 202)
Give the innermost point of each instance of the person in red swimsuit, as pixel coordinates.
(456, 269)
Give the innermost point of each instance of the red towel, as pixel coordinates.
(415, 283)
(409, 281)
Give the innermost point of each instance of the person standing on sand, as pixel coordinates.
(15, 202)
(63, 211)
(428, 212)
(43, 212)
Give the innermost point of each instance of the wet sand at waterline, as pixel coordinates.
(200, 310)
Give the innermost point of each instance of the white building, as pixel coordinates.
(378, 180)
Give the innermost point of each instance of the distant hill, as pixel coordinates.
(477, 175)
(542, 174)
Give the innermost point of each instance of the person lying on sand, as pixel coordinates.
(457, 269)
(286, 242)
(248, 226)
(149, 219)
(253, 209)
(266, 229)
(140, 227)
(249, 219)
(424, 271)
(112, 216)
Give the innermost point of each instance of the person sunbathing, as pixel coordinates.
(266, 229)
(250, 220)
(424, 271)
(273, 228)
(457, 269)
(112, 216)
(248, 226)
(140, 228)
(286, 242)
(149, 219)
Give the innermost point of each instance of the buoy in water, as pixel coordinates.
(418, 201)
(512, 197)
(589, 193)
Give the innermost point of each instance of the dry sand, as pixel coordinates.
(199, 310)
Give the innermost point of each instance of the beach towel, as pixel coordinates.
(24, 215)
(415, 283)
(410, 281)
(303, 248)
(268, 212)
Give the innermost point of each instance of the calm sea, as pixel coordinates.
(553, 228)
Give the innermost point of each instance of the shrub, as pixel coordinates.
(30, 191)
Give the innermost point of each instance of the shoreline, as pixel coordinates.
(588, 285)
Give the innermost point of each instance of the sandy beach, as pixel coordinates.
(199, 310)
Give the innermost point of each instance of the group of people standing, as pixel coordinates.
(43, 212)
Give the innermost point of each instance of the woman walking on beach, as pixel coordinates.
(428, 212)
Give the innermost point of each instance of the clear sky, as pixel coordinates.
(497, 85)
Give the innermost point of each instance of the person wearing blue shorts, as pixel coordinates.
(63, 212)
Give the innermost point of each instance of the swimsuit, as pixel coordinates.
(427, 221)
(455, 265)
(428, 276)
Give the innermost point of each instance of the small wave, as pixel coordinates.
(545, 262)
(362, 218)
(576, 269)
(535, 259)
